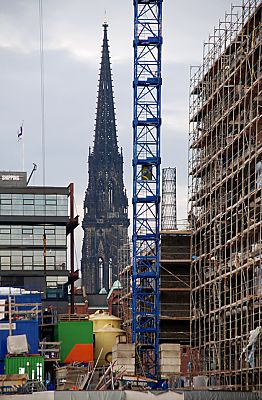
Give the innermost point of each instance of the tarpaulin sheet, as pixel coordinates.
(219, 395)
(170, 395)
(133, 395)
(43, 396)
(33, 396)
(118, 395)
(91, 395)
(17, 344)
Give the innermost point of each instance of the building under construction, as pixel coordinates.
(225, 181)
(174, 273)
(174, 289)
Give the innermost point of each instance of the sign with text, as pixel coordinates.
(8, 178)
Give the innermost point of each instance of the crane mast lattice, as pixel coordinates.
(146, 185)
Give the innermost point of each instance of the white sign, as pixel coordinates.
(4, 326)
(10, 178)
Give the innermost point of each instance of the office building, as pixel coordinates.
(34, 225)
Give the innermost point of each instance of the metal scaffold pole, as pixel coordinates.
(146, 185)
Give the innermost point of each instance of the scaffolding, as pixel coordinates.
(225, 181)
(126, 300)
(168, 206)
(174, 287)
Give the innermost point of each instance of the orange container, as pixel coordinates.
(80, 353)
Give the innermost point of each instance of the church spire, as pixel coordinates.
(105, 220)
(105, 142)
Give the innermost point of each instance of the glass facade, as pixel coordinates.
(56, 287)
(33, 204)
(21, 247)
(34, 244)
(28, 260)
(32, 235)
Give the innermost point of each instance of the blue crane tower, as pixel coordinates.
(146, 185)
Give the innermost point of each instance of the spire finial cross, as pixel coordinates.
(105, 24)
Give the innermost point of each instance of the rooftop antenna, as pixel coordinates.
(33, 170)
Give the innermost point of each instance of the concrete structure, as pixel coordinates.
(225, 202)
(105, 220)
(124, 355)
(34, 225)
(170, 359)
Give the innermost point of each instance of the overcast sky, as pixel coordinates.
(72, 52)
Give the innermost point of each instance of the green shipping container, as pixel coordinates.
(75, 337)
(31, 365)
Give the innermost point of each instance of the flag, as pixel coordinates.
(20, 132)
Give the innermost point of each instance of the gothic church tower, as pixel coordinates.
(105, 222)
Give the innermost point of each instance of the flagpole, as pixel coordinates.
(23, 155)
(23, 146)
(20, 134)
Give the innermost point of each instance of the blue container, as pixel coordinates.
(23, 327)
(2, 367)
(34, 298)
(30, 328)
(24, 298)
(30, 298)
